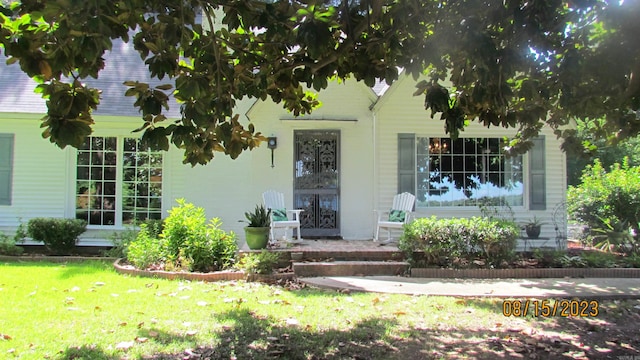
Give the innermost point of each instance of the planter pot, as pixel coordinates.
(533, 232)
(257, 237)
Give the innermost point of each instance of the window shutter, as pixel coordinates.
(537, 178)
(406, 163)
(6, 166)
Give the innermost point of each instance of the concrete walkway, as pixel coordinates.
(583, 288)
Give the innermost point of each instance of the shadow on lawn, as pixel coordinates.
(86, 352)
(252, 336)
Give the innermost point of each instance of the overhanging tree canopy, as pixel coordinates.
(511, 63)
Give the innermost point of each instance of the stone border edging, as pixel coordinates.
(525, 273)
(213, 276)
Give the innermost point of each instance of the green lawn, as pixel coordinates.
(87, 311)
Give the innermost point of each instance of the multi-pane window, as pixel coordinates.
(462, 171)
(117, 182)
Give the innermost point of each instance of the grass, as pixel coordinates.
(87, 311)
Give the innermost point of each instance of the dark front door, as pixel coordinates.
(317, 182)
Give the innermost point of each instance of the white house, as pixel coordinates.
(342, 162)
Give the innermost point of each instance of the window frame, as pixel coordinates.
(119, 183)
(425, 205)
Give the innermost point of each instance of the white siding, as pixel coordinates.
(39, 173)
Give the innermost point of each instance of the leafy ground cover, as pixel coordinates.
(87, 311)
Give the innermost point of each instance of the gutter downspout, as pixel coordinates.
(376, 178)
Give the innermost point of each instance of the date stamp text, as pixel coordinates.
(551, 308)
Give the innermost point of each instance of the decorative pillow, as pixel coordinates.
(279, 214)
(397, 215)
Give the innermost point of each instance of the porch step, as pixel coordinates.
(345, 255)
(349, 268)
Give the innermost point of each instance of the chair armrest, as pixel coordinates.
(296, 214)
(380, 213)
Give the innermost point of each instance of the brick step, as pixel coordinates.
(324, 255)
(350, 268)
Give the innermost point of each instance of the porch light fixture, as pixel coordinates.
(272, 143)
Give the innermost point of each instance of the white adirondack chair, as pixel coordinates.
(275, 201)
(398, 215)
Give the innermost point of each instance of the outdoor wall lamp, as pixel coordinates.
(272, 143)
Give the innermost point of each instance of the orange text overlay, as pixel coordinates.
(549, 308)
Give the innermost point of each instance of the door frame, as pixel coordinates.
(317, 232)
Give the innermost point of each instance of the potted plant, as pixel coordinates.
(533, 227)
(257, 232)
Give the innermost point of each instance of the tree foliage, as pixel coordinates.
(594, 147)
(510, 63)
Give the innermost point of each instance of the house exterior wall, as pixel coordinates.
(44, 176)
(346, 109)
(401, 112)
(39, 173)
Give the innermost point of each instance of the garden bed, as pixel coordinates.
(122, 267)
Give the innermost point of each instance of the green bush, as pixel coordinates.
(607, 200)
(193, 244)
(8, 246)
(445, 240)
(145, 250)
(58, 235)
(122, 239)
(259, 263)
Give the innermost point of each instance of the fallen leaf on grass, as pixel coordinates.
(125, 345)
(99, 283)
(141, 339)
(400, 312)
(140, 325)
(124, 323)
(5, 337)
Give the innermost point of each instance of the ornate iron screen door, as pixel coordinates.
(317, 182)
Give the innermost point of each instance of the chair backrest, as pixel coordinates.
(273, 199)
(403, 202)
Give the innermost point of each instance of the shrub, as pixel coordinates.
(145, 250)
(607, 200)
(58, 235)
(445, 240)
(193, 244)
(259, 263)
(8, 246)
(122, 239)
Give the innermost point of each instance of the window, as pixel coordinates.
(460, 172)
(118, 182)
(6, 168)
